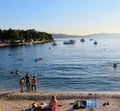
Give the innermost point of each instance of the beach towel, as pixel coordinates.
(91, 104)
(85, 104)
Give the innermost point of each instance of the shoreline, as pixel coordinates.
(16, 101)
(26, 43)
(60, 96)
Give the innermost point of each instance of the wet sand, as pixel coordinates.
(16, 101)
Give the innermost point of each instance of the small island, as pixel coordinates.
(12, 37)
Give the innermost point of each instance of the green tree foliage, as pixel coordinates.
(13, 35)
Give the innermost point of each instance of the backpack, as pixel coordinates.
(76, 105)
(79, 104)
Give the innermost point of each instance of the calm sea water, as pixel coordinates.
(81, 67)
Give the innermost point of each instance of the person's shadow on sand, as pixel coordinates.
(69, 109)
(26, 110)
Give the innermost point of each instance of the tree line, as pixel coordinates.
(26, 35)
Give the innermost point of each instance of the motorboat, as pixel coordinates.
(82, 40)
(95, 42)
(54, 44)
(69, 42)
(91, 39)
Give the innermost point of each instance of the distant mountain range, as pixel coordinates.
(89, 35)
(64, 36)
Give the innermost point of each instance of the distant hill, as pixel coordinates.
(89, 35)
(64, 36)
(103, 35)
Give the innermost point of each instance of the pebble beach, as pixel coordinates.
(16, 101)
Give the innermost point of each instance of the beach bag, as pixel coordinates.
(79, 104)
(34, 105)
(76, 105)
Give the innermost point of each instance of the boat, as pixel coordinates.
(82, 40)
(69, 42)
(95, 42)
(91, 39)
(54, 44)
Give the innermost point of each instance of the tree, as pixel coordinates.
(14, 35)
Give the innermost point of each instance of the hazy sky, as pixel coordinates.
(77, 17)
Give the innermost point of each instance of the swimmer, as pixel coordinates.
(115, 65)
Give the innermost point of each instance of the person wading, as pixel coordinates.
(21, 82)
(34, 83)
(27, 79)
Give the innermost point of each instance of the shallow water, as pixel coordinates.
(79, 67)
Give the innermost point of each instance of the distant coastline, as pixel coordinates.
(13, 37)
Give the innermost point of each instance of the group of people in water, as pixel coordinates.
(30, 83)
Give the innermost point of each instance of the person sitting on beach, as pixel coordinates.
(53, 103)
(21, 82)
(34, 82)
(27, 79)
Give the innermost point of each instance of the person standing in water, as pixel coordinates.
(21, 82)
(27, 79)
(34, 83)
(53, 103)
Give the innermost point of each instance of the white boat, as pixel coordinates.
(69, 42)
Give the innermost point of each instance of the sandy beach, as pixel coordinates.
(16, 101)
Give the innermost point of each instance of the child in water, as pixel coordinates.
(21, 82)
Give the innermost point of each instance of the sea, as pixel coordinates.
(71, 68)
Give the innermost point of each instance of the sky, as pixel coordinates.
(74, 17)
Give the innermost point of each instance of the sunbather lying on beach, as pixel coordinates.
(52, 106)
(43, 107)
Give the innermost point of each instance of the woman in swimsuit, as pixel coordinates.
(53, 103)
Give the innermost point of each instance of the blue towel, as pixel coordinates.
(91, 104)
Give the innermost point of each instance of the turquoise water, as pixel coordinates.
(79, 67)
